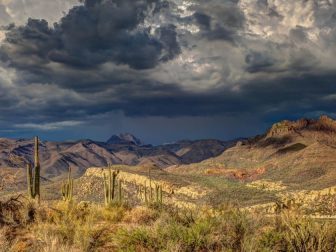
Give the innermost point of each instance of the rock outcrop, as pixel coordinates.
(323, 124)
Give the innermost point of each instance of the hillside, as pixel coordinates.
(301, 154)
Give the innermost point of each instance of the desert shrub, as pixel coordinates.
(89, 238)
(141, 215)
(5, 243)
(72, 225)
(165, 232)
(62, 231)
(13, 211)
(52, 244)
(271, 239)
(291, 232)
(195, 237)
(233, 227)
(228, 230)
(88, 227)
(182, 216)
(187, 231)
(137, 239)
(113, 214)
(306, 234)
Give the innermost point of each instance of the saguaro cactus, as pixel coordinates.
(150, 194)
(150, 185)
(158, 194)
(33, 174)
(67, 188)
(145, 192)
(157, 191)
(119, 191)
(109, 185)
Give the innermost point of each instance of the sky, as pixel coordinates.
(163, 69)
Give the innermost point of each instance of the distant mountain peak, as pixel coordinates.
(124, 138)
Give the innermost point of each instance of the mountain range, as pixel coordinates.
(301, 154)
(57, 157)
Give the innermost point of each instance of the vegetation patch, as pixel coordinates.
(292, 148)
(71, 226)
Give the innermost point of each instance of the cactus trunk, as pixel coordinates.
(113, 185)
(146, 199)
(33, 175)
(160, 193)
(106, 190)
(30, 180)
(37, 170)
(157, 193)
(119, 192)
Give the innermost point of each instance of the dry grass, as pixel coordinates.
(59, 226)
(141, 215)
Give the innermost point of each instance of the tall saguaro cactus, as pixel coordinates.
(33, 174)
(158, 194)
(67, 188)
(119, 191)
(150, 184)
(109, 185)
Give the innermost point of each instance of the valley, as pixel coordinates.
(289, 160)
(122, 195)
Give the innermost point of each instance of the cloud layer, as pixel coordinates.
(167, 58)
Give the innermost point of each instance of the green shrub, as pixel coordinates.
(305, 234)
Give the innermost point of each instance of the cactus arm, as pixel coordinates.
(119, 191)
(161, 195)
(71, 189)
(63, 190)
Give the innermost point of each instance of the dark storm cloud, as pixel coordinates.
(261, 98)
(151, 99)
(219, 20)
(257, 62)
(90, 35)
(170, 58)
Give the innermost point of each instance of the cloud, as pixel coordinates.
(173, 58)
(5, 18)
(48, 126)
(18, 11)
(90, 35)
